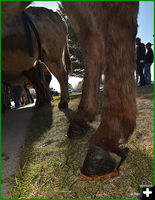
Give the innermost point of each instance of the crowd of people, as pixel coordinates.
(144, 60)
(17, 91)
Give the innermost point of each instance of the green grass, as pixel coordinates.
(50, 162)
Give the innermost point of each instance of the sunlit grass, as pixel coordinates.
(50, 162)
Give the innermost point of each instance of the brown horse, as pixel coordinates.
(106, 33)
(15, 58)
(10, 9)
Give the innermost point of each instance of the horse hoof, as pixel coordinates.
(75, 131)
(100, 164)
(63, 105)
(103, 177)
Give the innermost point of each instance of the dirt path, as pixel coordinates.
(14, 125)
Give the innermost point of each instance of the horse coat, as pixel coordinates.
(15, 58)
(106, 33)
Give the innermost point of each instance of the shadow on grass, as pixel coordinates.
(75, 96)
(41, 122)
(53, 170)
(146, 92)
(68, 113)
(136, 170)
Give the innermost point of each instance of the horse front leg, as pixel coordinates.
(89, 104)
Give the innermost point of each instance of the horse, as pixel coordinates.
(106, 33)
(17, 65)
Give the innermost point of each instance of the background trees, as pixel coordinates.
(76, 56)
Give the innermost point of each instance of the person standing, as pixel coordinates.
(17, 94)
(148, 62)
(136, 71)
(29, 96)
(140, 60)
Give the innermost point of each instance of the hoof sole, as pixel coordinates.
(103, 177)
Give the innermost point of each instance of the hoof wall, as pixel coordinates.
(100, 164)
(104, 177)
(75, 131)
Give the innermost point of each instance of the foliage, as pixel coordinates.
(70, 87)
(79, 85)
(76, 56)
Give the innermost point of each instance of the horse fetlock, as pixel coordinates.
(76, 131)
(63, 105)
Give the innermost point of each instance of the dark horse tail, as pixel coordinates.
(67, 60)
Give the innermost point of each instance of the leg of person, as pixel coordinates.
(141, 74)
(137, 76)
(145, 74)
(27, 93)
(30, 96)
(20, 91)
(15, 96)
(149, 74)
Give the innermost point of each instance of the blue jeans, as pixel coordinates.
(17, 94)
(140, 68)
(147, 73)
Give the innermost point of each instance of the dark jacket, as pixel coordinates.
(140, 52)
(149, 56)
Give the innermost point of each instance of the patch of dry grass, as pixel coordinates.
(50, 162)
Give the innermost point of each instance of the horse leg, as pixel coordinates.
(89, 104)
(119, 111)
(62, 77)
(58, 70)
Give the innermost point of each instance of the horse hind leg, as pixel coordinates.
(119, 111)
(58, 70)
